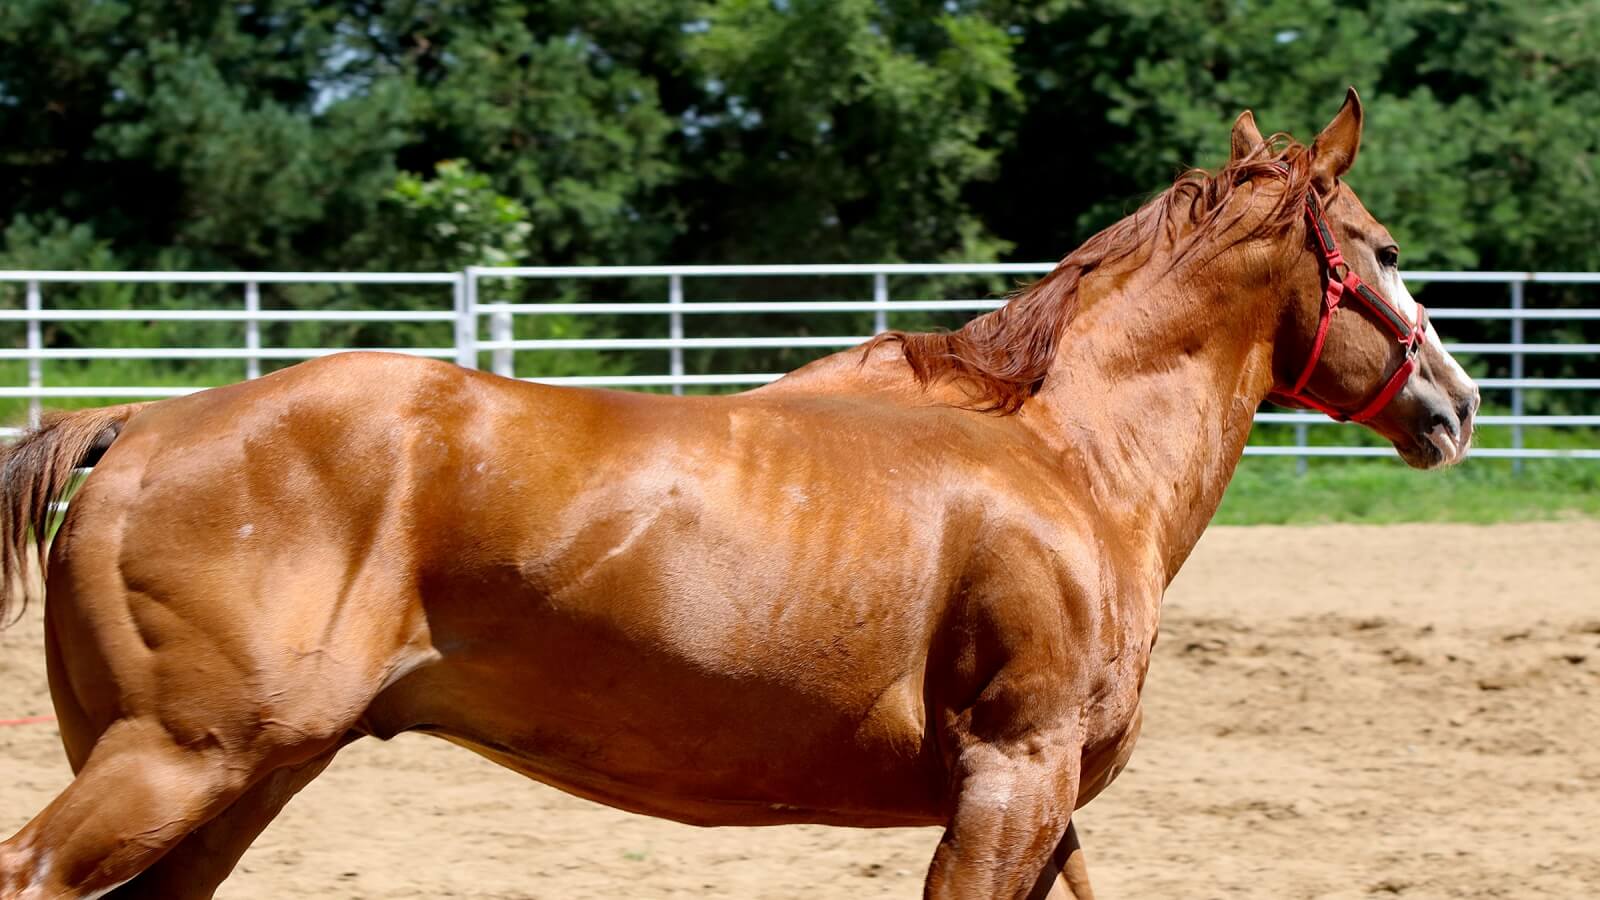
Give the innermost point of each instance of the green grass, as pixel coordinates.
(1268, 492)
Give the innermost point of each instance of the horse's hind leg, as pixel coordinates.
(208, 746)
(199, 864)
(138, 795)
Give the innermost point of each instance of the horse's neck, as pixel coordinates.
(1151, 398)
(1148, 404)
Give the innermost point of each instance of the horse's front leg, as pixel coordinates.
(1010, 835)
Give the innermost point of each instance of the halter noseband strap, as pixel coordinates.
(1343, 280)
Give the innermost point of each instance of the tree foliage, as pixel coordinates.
(276, 134)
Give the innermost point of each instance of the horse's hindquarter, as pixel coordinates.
(242, 555)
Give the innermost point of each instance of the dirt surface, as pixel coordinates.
(1333, 712)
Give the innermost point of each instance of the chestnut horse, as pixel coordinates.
(914, 583)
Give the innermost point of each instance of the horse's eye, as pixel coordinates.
(1389, 257)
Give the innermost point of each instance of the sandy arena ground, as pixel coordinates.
(1333, 712)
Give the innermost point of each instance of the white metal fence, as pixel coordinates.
(484, 328)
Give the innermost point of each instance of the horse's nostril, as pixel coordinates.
(1450, 424)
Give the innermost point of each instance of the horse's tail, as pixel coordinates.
(35, 472)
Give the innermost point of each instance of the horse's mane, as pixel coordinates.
(1005, 355)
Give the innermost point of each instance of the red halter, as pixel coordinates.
(1410, 335)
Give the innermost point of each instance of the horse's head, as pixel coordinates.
(1353, 343)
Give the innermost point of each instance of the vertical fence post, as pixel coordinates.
(1301, 435)
(1516, 369)
(252, 329)
(466, 308)
(880, 295)
(35, 344)
(500, 330)
(675, 328)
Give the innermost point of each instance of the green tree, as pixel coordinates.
(457, 219)
(453, 220)
(842, 130)
(265, 135)
(1481, 148)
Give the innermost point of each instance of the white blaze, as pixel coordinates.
(1394, 289)
(1460, 374)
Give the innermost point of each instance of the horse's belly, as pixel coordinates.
(643, 725)
(712, 801)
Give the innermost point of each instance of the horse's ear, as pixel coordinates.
(1335, 148)
(1246, 136)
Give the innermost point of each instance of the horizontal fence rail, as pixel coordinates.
(482, 328)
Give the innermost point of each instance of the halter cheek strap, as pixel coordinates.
(1342, 281)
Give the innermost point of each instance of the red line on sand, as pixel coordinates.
(27, 720)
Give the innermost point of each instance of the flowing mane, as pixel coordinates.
(1006, 354)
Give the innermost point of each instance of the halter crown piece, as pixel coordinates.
(1343, 280)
